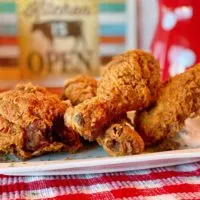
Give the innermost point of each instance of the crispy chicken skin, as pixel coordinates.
(129, 82)
(134, 77)
(79, 88)
(121, 139)
(31, 122)
(178, 99)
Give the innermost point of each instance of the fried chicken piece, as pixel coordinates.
(178, 99)
(134, 77)
(129, 82)
(80, 88)
(31, 122)
(168, 144)
(121, 139)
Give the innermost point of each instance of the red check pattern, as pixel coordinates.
(170, 183)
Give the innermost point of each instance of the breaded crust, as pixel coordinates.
(29, 117)
(134, 77)
(121, 139)
(130, 82)
(79, 89)
(178, 99)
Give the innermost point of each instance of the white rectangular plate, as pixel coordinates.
(95, 160)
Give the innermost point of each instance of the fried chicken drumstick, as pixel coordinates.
(119, 138)
(31, 123)
(178, 99)
(129, 82)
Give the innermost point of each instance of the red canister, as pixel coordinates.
(176, 42)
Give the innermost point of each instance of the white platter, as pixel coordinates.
(95, 160)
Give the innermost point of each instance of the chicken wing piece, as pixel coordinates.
(80, 88)
(178, 99)
(121, 139)
(129, 82)
(31, 122)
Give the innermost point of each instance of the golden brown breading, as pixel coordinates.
(118, 139)
(121, 139)
(79, 89)
(178, 99)
(92, 118)
(29, 118)
(129, 82)
(168, 144)
(134, 77)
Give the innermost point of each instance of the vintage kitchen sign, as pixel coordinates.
(58, 38)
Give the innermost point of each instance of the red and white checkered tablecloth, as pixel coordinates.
(167, 183)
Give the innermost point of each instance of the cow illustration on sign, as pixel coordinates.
(67, 40)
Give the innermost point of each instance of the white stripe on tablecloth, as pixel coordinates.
(113, 18)
(6, 18)
(9, 51)
(111, 49)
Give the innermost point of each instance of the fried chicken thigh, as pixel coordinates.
(129, 82)
(178, 99)
(31, 123)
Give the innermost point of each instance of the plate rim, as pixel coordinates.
(102, 161)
